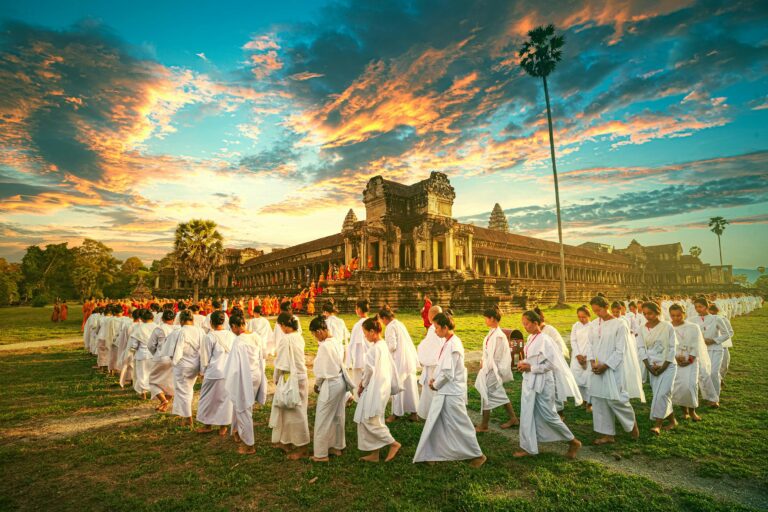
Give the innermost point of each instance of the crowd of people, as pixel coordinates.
(678, 346)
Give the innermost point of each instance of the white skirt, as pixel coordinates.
(407, 401)
(685, 390)
(214, 406)
(330, 416)
(291, 426)
(184, 385)
(161, 378)
(142, 369)
(448, 433)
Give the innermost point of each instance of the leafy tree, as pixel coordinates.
(10, 278)
(695, 251)
(539, 56)
(762, 285)
(48, 272)
(717, 226)
(198, 248)
(95, 268)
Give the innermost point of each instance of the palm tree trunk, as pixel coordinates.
(720, 248)
(561, 295)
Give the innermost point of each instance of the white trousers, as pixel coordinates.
(605, 412)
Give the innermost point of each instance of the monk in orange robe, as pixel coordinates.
(370, 262)
(56, 311)
(63, 311)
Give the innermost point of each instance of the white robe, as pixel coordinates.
(407, 364)
(273, 343)
(539, 420)
(448, 433)
(245, 383)
(161, 376)
(580, 347)
(354, 359)
(379, 381)
(495, 371)
(339, 332)
(142, 359)
(291, 426)
(214, 407)
(714, 327)
(428, 352)
(185, 354)
(659, 345)
(330, 414)
(261, 328)
(690, 343)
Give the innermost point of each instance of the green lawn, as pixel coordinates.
(153, 465)
(26, 323)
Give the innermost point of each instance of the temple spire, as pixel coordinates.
(349, 221)
(498, 220)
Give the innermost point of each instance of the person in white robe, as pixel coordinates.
(331, 389)
(185, 356)
(354, 359)
(615, 376)
(579, 350)
(214, 408)
(142, 358)
(495, 370)
(245, 382)
(98, 317)
(428, 352)
(727, 344)
(554, 334)
(206, 322)
(113, 339)
(336, 326)
(259, 326)
(126, 356)
(161, 376)
(692, 358)
(658, 351)
(379, 382)
(546, 380)
(448, 433)
(87, 331)
(290, 426)
(277, 336)
(715, 334)
(403, 351)
(105, 325)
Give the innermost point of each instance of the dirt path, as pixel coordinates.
(41, 344)
(668, 473)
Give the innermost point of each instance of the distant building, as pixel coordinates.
(409, 244)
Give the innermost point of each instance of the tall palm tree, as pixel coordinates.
(538, 57)
(695, 251)
(717, 226)
(198, 249)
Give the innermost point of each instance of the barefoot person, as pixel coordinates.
(495, 370)
(142, 358)
(448, 433)
(692, 358)
(161, 376)
(379, 382)
(658, 348)
(615, 376)
(331, 389)
(406, 363)
(715, 334)
(185, 356)
(428, 352)
(290, 427)
(245, 382)
(354, 359)
(542, 390)
(214, 408)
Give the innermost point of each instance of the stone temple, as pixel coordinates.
(409, 245)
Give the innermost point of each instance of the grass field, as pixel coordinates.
(19, 324)
(150, 464)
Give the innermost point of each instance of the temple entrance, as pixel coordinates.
(375, 254)
(440, 255)
(404, 257)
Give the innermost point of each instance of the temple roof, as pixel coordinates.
(313, 245)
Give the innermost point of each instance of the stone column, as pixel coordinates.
(450, 251)
(469, 253)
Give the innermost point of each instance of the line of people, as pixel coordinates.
(163, 352)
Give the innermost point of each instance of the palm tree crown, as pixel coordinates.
(541, 53)
(198, 247)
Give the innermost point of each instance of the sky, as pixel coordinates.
(118, 120)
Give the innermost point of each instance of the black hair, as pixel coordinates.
(182, 306)
(701, 300)
(372, 324)
(713, 307)
(318, 324)
(147, 315)
(677, 307)
(516, 335)
(218, 318)
(584, 309)
(329, 307)
(386, 312)
(257, 310)
(168, 315)
(237, 321)
(599, 300)
(154, 307)
(444, 321)
(185, 316)
(136, 314)
(615, 304)
(652, 306)
(448, 311)
(286, 306)
(363, 305)
(493, 312)
(539, 312)
(532, 316)
(632, 303)
(216, 304)
(288, 320)
(194, 308)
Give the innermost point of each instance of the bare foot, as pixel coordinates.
(605, 440)
(635, 432)
(671, 426)
(319, 459)
(481, 428)
(300, 454)
(513, 422)
(222, 431)
(335, 452)
(476, 463)
(521, 453)
(589, 407)
(393, 449)
(281, 446)
(391, 419)
(236, 437)
(695, 417)
(246, 450)
(655, 430)
(414, 417)
(686, 416)
(573, 448)
(373, 457)
(204, 430)
(714, 405)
